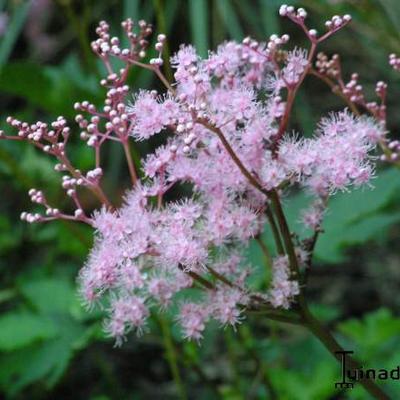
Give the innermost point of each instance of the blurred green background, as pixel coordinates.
(50, 348)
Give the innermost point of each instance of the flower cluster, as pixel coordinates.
(336, 157)
(225, 125)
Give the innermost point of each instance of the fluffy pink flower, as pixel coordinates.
(192, 318)
(225, 118)
(127, 313)
(296, 64)
(283, 289)
(149, 116)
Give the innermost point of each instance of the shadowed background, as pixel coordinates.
(50, 348)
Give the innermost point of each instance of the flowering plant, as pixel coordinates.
(224, 123)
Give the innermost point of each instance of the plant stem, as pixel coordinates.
(131, 167)
(308, 319)
(327, 339)
(171, 356)
(292, 91)
(287, 238)
(275, 232)
(250, 177)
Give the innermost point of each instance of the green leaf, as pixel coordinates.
(37, 167)
(45, 361)
(297, 384)
(356, 217)
(131, 9)
(49, 88)
(374, 330)
(19, 329)
(251, 16)
(352, 218)
(199, 23)
(25, 80)
(230, 19)
(392, 11)
(331, 244)
(50, 295)
(324, 312)
(270, 17)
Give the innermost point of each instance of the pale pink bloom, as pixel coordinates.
(296, 64)
(192, 318)
(225, 305)
(149, 248)
(149, 115)
(283, 289)
(127, 313)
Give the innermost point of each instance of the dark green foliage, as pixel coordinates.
(51, 348)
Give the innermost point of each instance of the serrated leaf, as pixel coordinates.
(373, 330)
(45, 361)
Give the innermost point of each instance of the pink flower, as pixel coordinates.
(296, 64)
(192, 318)
(225, 149)
(148, 116)
(283, 289)
(127, 313)
(226, 304)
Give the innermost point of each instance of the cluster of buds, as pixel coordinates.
(329, 67)
(189, 141)
(337, 22)
(115, 113)
(185, 125)
(391, 149)
(394, 62)
(289, 11)
(299, 15)
(273, 44)
(354, 90)
(94, 175)
(31, 217)
(391, 152)
(51, 140)
(378, 110)
(106, 45)
(37, 196)
(69, 184)
(159, 47)
(277, 106)
(51, 213)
